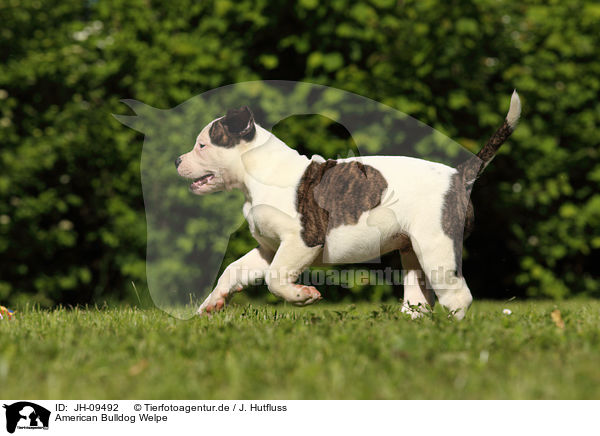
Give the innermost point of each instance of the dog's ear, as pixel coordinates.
(239, 122)
(219, 135)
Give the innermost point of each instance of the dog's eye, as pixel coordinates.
(202, 146)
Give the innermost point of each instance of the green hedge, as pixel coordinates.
(72, 224)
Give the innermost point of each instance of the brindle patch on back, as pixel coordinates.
(457, 216)
(234, 127)
(331, 194)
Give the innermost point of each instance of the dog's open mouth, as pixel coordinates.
(202, 180)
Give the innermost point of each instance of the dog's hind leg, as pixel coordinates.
(436, 254)
(239, 274)
(418, 295)
(292, 257)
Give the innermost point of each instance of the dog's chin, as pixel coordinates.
(204, 185)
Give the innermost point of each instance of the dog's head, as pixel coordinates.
(214, 163)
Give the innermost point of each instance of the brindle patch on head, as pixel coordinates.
(331, 194)
(234, 127)
(457, 216)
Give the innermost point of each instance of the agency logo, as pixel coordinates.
(26, 415)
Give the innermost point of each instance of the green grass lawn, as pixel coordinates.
(363, 351)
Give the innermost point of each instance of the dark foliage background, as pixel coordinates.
(72, 225)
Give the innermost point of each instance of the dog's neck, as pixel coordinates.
(268, 163)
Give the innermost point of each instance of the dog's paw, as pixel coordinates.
(213, 303)
(216, 300)
(306, 295)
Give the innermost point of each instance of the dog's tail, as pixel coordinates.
(473, 168)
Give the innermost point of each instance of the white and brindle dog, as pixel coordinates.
(305, 212)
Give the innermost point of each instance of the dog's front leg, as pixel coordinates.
(248, 268)
(292, 257)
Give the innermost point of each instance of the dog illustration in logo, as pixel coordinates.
(31, 413)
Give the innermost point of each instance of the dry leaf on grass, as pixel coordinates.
(557, 318)
(138, 367)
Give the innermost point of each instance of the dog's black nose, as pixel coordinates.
(177, 162)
